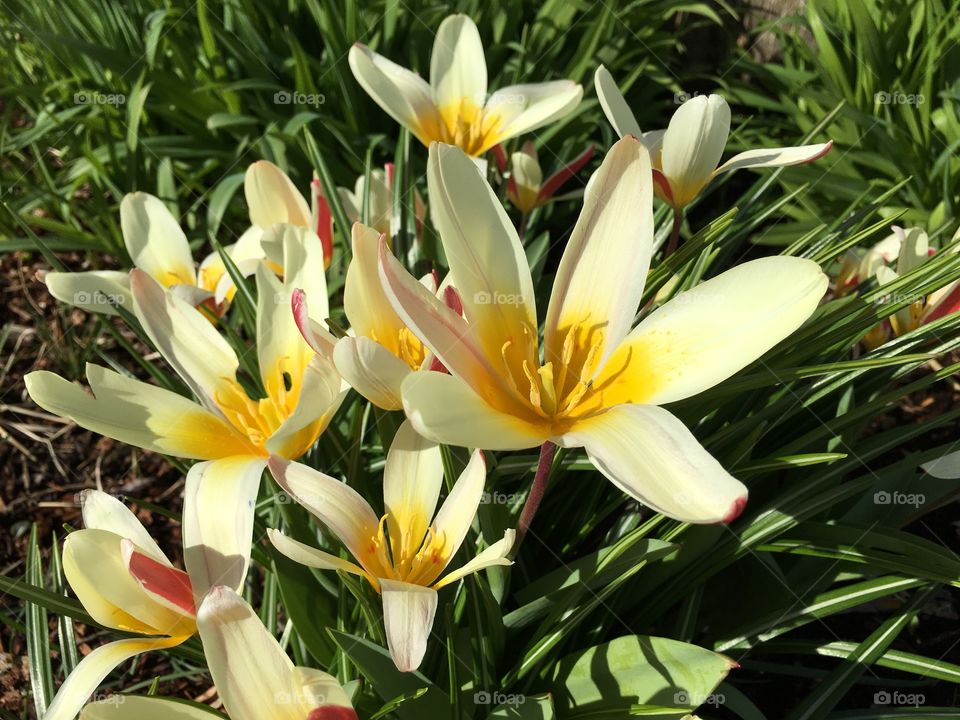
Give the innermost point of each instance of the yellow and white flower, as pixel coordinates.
(454, 107)
(403, 553)
(253, 675)
(526, 188)
(224, 425)
(598, 384)
(125, 582)
(858, 265)
(686, 156)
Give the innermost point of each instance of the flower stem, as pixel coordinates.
(544, 465)
(674, 233)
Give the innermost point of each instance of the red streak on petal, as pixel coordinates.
(167, 582)
(325, 229)
(819, 154)
(437, 366)
(738, 505)
(332, 712)
(388, 173)
(555, 181)
(500, 155)
(664, 185)
(451, 299)
(950, 304)
(298, 303)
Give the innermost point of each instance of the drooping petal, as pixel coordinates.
(321, 392)
(87, 676)
(138, 414)
(139, 707)
(372, 370)
(776, 157)
(155, 240)
(649, 454)
(253, 674)
(412, 478)
(459, 509)
(485, 256)
(334, 503)
(524, 108)
(402, 94)
(272, 197)
(446, 410)
(614, 106)
(97, 291)
(693, 145)
(218, 511)
(94, 565)
(600, 279)
(102, 511)
(496, 554)
(311, 556)
(408, 612)
(186, 339)
(704, 335)
(458, 68)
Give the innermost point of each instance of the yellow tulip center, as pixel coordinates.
(405, 554)
(258, 419)
(466, 125)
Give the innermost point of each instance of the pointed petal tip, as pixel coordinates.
(736, 509)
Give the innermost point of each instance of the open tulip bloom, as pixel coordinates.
(597, 384)
(125, 582)
(403, 553)
(224, 425)
(253, 675)
(454, 108)
(687, 154)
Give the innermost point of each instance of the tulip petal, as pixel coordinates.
(136, 413)
(140, 707)
(458, 68)
(614, 106)
(321, 392)
(402, 94)
(155, 240)
(364, 302)
(310, 556)
(444, 331)
(649, 454)
(372, 370)
(446, 410)
(776, 157)
(185, 338)
(166, 585)
(97, 291)
(319, 690)
(704, 335)
(524, 108)
(693, 145)
(218, 511)
(94, 565)
(944, 468)
(460, 508)
(600, 279)
(484, 253)
(102, 511)
(496, 554)
(87, 676)
(272, 197)
(253, 674)
(412, 478)
(408, 612)
(334, 503)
